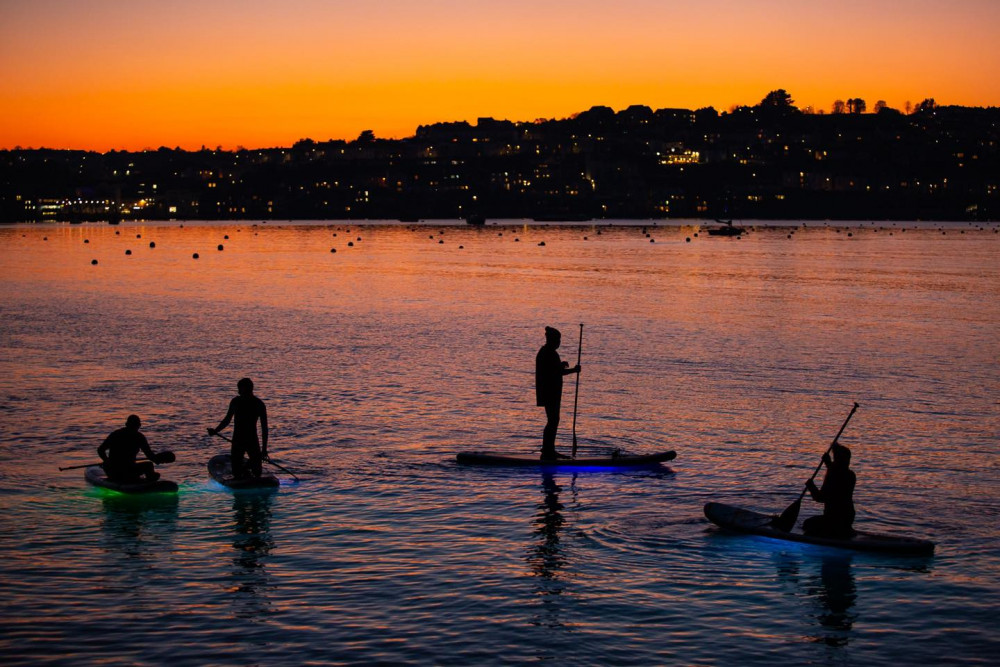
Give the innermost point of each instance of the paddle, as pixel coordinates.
(576, 395)
(161, 458)
(276, 465)
(786, 520)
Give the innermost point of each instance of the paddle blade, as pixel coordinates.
(786, 521)
(164, 457)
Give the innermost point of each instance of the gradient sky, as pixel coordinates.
(104, 74)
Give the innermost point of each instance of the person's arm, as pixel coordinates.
(263, 430)
(576, 369)
(144, 446)
(225, 421)
(102, 451)
(816, 493)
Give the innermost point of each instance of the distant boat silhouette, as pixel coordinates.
(728, 229)
(476, 219)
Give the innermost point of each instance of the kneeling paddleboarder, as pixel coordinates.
(837, 496)
(118, 452)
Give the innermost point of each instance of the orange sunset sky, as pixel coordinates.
(137, 74)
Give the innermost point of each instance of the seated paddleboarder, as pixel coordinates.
(247, 409)
(837, 496)
(549, 372)
(118, 452)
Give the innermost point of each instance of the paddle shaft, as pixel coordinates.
(832, 444)
(576, 394)
(99, 463)
(276, 465)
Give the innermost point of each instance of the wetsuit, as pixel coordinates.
(118, 451)
(246, 410)
(837, 496)
(549, 371)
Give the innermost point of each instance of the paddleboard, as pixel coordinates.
(96, 476)
(221, 469)
(748, 521)
(623, 461)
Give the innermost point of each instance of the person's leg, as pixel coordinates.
(549, 433)
(144, 469)
(255, 460)
(814, 525)
(236, 455)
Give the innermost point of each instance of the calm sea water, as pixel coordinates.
(382, 360)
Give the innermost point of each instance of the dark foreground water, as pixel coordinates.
(379, 362)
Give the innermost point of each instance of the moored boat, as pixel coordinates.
(727, 229)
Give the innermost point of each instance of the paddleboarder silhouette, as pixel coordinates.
(837, 496)
(549, 372)
(247, 409)
(118, 452)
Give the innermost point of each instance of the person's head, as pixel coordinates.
(841, 456)
(133, 423)
(245, 387)
(552, 337)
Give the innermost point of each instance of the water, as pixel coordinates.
(379, 362)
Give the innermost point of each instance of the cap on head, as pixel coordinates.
(133, 422)
(245, 386)
(552, 332)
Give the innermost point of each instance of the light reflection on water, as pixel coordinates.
(380, 361)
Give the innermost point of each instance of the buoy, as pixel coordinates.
(431, 236)
(517, 240)
(500, 234)
(350, 244)
(152, 244)
(789, 236)
(226, 237)
(128, 252)
(441, 241)
(584, 238)
(333, 250)
(45, 238)
(220, 246)
(461, 247)
(654, 240)
(850, 233)
(541, 243)
(195, 256)
(335, 233)
(359, 238)
(687, 240)
(93, 261)
(117, 233)
(86, 240)
(138, 236)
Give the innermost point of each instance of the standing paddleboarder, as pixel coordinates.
(247, 409)
(549, 372)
